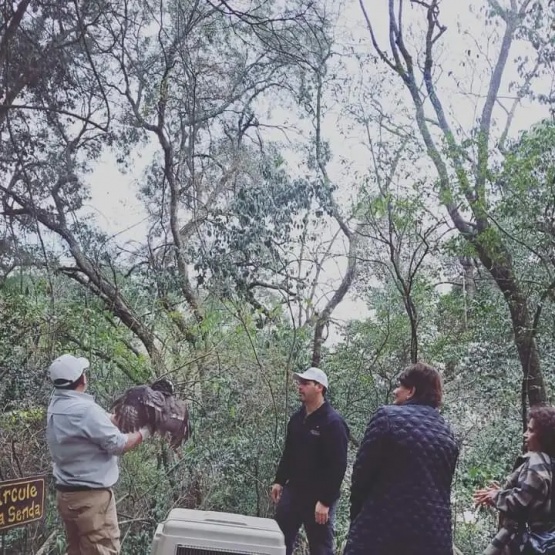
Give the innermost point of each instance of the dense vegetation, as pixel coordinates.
(290, 159)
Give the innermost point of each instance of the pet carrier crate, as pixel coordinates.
(188, 532)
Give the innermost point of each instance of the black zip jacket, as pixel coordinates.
(315, 455)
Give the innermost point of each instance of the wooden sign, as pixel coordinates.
(21, 501)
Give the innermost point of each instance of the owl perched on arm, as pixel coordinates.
(154, 406)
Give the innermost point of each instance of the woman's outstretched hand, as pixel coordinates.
(485, 496)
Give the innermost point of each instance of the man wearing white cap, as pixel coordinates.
(312, 467)
(84, 445)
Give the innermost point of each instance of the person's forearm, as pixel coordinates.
(135, 438)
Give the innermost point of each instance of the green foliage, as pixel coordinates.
(245, 243)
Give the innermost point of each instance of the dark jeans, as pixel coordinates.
(294, 510)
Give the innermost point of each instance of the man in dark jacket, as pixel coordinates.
(312, 467)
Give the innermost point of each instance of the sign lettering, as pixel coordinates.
(21, 501)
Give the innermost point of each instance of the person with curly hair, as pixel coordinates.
(401, 481)
(525, 498)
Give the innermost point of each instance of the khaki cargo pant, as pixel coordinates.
(91, 522)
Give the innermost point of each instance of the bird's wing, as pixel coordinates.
(138, 406)
(175, 421)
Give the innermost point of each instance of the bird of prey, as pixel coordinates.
(154, 406)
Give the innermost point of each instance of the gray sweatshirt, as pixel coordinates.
(82, 440)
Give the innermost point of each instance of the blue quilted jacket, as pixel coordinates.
(401, 484)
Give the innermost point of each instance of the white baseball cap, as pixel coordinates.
(66, 370)
(314, 374)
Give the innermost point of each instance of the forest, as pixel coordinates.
(225, 192)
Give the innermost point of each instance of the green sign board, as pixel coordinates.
(21, 501)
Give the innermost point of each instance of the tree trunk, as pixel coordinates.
(339, 295)
(499, 266)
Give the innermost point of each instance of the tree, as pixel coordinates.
(190, 80)
(464, 167)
